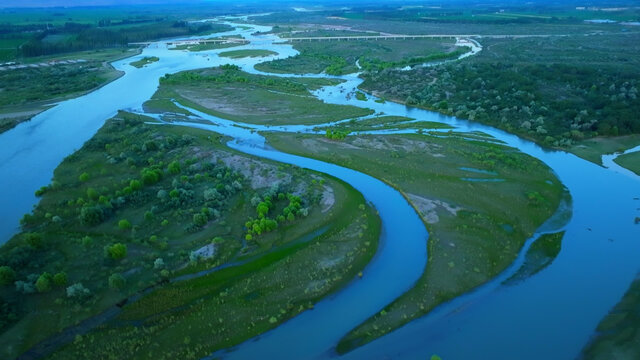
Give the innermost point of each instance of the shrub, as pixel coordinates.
(92, 194)
(60, 278)
(174, 167)
(116, 281)
(84, 177)
(43, 284)
(7, 275)
(34, 240)
(116, 251)
(200, 220)
(124, 224)
(135, 185)
(78, 291)
(91, 215)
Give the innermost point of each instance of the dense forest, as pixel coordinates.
(556, 102)
(76, 37)
(47, 39)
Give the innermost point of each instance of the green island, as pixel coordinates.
(238, 54)
(232, 94)
(337, 58)
(478, 200)
(145, 61)
(204, 46)
(141, 204)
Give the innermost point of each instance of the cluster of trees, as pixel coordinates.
(555, 104)
(128, 169)
(374, 64)
(35, 84)
(263, 224)
(336, 134)
(79, 37)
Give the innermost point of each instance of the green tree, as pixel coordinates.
(43, 284)
(116, 251)
(84, 177)
(60, 278)
(124, 224)
(174, 167)
(34, 240)
(92, 194)
(91, 215)
(135, 185)
(200, 220)
(116, 281)
(7, 275)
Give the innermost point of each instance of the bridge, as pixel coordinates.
(338, 38)
(192, 42)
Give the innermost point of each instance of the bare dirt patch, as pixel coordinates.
(428, 209)
(328, 199)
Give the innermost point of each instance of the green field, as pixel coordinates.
(237, 54)
(129, 210)
(480, 202)
(232, 94)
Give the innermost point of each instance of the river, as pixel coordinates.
(550, 315)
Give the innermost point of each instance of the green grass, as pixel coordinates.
(145, 61)
(255, 99)
(630, 161)
(102, 176)
(467, 220)
(237, 54)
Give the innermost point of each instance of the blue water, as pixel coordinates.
(550, 315)
(479, 171)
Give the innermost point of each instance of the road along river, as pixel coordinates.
(550, 315)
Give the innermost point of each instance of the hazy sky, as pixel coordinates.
(68, 3)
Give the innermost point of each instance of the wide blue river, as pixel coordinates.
(550, 315)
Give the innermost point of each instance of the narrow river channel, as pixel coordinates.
(550, 315)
